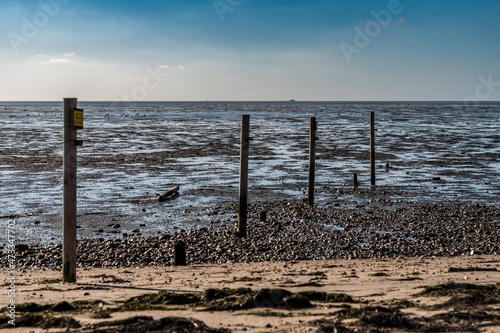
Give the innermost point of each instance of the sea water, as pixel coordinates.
(134, 151)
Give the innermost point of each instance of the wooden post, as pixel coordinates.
(355, 182)
(243, 194)
(180, 253)
(372, 148)
(69, 193)
(262, 216)
(312, 159)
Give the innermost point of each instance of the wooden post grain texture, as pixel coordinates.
(372, 148)
(312, 159)
(243, 193)
(69, 193)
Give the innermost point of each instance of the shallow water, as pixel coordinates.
(132, 152)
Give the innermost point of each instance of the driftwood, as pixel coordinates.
(169, 194)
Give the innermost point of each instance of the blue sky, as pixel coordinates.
(250, 50)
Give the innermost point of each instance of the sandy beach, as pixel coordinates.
(371, 295)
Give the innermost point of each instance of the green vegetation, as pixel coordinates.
(48, 288)
(50, 281)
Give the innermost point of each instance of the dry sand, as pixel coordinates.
(373, 282)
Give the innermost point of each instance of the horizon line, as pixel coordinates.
(259, 101)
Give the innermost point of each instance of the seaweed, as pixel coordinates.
(32, 307)
(327, 297)
(62, 307)
(148, 324)
(452, 288)
(471, 269)
(213, 294)
(468, 301)
(45, 321)
(247, 299)
(380, 316)
(158, 300)
(403, 304)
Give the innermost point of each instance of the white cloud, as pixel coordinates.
(61, 60)
(171, 67)
(65, 58)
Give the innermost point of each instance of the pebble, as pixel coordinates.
(295, 231)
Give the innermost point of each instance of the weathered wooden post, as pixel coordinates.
(312, 159)
(179, 253)
(72, 120)
(262, 216)
(355, 180)
(372, 148)
(243, 194)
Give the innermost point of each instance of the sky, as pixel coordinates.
(249, 50)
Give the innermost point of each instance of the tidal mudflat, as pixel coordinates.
(436, 153)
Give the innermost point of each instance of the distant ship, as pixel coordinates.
(292, 100)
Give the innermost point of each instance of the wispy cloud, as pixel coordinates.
(65, 58)
(171, 67)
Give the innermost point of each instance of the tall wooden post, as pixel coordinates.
(243, 194)
(69, 193)
(312, 159)
(372, 148)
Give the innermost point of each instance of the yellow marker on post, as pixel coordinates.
(78, 118)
